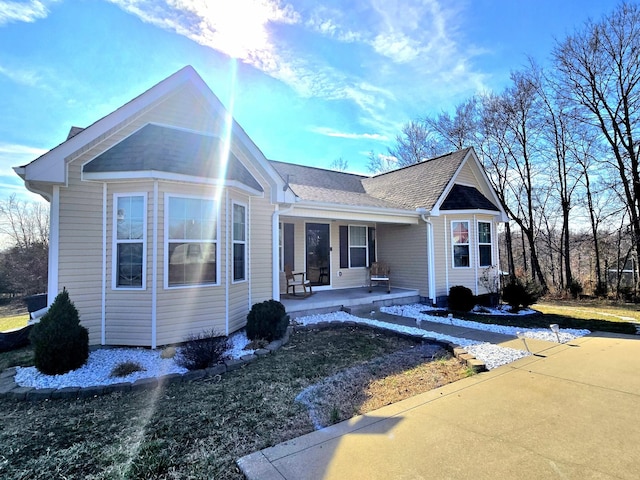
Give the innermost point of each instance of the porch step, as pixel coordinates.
(328, 301)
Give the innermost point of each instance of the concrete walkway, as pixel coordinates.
(569, 412)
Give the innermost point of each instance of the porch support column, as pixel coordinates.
(275, 249)
(431, 258)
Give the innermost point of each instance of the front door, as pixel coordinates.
(318, 248)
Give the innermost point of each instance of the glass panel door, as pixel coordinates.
(318, 248)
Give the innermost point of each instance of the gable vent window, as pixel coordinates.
(460, 242)
(130, 219)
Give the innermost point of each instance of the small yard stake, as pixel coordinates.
(521, 336)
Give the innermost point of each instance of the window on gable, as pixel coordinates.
(191, 244)
(484, 244)
(130, 237)
(460, 243)
(357, 246)
(239, 242)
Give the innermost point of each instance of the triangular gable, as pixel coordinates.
(471, 156)
(50, 168)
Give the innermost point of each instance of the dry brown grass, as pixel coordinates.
(190, 430)
(379, 382)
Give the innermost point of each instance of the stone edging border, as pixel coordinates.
(10, 390)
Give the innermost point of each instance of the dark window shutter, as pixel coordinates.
(344, 246)
(371, 232)
(289, 245)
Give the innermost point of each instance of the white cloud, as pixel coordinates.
(24, 77)
(28, 11)
(329, 132)
(13, 155)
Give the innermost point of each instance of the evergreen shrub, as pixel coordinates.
(267, 320)
(60, 343)
(461, 299)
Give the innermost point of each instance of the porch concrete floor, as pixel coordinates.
(325, 301)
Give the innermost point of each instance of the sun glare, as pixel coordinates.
(238, 28)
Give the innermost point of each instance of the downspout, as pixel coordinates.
(154, 269)
(275, 266)
(54, 245)
(446, 253)
(431, 270)
(475, 250)
(103, 306)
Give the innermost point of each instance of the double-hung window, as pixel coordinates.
(191, 241)
(484, 244)
(460, 243)
(357, 246)
(130, 220)
(239, 242)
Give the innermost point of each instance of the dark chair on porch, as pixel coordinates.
(293, 281)
(379, 273)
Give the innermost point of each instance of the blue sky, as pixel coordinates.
(309, 81)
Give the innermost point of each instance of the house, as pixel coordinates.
(167, 220)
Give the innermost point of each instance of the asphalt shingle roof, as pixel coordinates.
(408, 188)
(165, 149)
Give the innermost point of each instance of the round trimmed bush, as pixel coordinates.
(60, 343)
(516, 294)
(461, 299)
(267, 320)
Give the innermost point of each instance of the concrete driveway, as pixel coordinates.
(570, 412)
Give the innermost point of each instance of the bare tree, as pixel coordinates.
(340, 165)
(24, 223)
(600, 77)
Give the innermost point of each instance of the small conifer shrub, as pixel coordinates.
(461, 299)
(267, 320)
(60, 343)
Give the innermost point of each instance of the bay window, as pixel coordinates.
(460, 243)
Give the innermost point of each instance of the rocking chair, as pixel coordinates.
(379, 273)
(293, 282)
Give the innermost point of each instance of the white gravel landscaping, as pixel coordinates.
(416, 311)
(101, 362)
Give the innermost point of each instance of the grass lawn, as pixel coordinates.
(12, 322)
(198, 430)
(594, 316)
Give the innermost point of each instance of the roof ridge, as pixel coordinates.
(422, 162)
(320, 168)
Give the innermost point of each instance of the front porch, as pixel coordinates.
(326, 301)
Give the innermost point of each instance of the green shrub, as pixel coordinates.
(516, 294)
(575, 288)
(126, 368)
(461, 299)
(60, 343)
(267, 321)
(203, 350)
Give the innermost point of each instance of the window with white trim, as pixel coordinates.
(460, 243)
(130, 219)
(191, 241)
(357, 246)
(239, 242)
(484, 244)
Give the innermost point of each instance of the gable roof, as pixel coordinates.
(328, 186)
(420, 185)
(165, 149)
(464, 197)
(50, 168)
